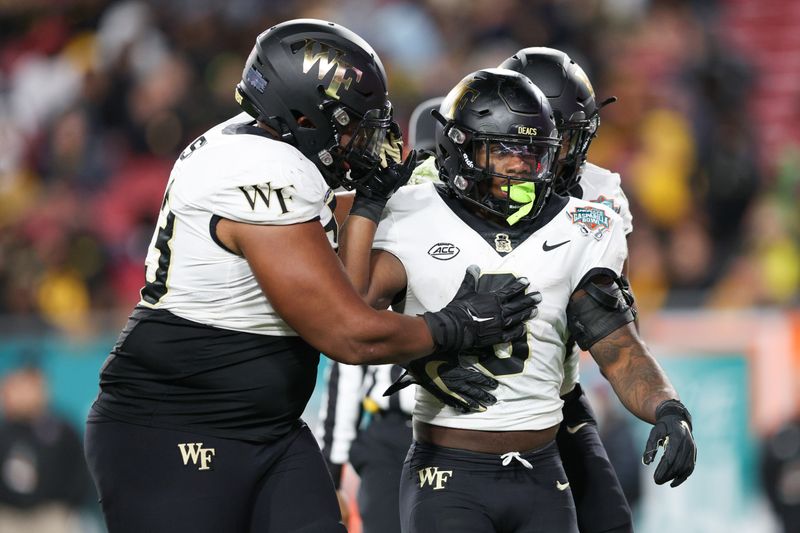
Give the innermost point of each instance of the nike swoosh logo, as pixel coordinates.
(574, 429)
(546, 247)
(475, 318)
(562, 486)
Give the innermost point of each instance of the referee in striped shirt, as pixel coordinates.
(370, 431)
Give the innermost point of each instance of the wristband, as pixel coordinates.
(674, 407)
(371, 208)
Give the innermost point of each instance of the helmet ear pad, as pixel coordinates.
(301, 76)
(500, 112)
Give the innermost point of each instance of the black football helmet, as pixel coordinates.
(573, 101)
(329, 75)
(493, 113)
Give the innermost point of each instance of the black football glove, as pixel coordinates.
(372, 194)
(673, 431)
(462, 388)
(476, 319)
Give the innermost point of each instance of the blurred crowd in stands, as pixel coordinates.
(97, 98)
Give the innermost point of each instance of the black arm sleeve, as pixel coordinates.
(603, 310)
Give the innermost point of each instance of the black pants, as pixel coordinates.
(154, 480)
(444, 490)
(599, 500)
(377, 456)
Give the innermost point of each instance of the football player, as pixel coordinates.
(498, 468)
(599, 499)
(197, 424)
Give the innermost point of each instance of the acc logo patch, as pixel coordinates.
(443, 251)
(591, 221)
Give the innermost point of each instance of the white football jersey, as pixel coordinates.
(598, 185)
(436, 246)
(233, 171)
(601, 186)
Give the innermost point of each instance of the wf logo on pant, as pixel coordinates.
(194, 452)
(434, 477)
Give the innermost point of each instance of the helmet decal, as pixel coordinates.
(581, 75)
(326, 64)
(456, 101)
(526, 130)
(255, 79)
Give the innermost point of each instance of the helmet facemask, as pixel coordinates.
(577, 134)
(509, 176)
(352, 163)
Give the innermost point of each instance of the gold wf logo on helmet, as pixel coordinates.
(456, 100)
(326, 64)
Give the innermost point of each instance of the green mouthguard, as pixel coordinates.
(521, 193)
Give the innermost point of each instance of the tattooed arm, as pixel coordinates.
(645, 390)
(601, 322)
(635, 375)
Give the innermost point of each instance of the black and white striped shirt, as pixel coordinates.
(350, 391)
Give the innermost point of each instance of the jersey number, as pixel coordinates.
(503, 360)
(154, 290)
(197, 143)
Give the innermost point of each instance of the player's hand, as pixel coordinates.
(386, 180)
(480, 318)
(372, 194)
(462, 388)
(673, 431)
(392, 147)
